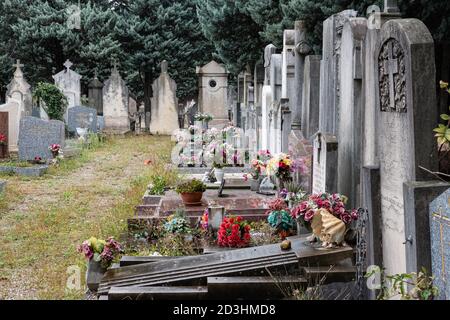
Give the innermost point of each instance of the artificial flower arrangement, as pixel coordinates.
(203, 117)
(54, 149)
(234, 232)
(279, 218)
(102, 251)
(326, 215)
(257, 168)
(280, 166)
(177, 223)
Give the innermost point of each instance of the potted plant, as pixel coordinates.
(280, 218)
(218, 171)
(3, 146)
(191, 191)
(100, 254)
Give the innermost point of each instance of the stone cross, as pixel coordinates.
(68, 64)
(18, 65)
(390, 69)
(391, 6)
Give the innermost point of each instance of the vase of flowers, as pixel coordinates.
(191, 191)
(204, 118)
(54, 149)
(3, 146)
(100, 254)
(280, 167)
(234, 232)
(257, 168)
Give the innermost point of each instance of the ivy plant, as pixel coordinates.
(443, 130)
(53, 101)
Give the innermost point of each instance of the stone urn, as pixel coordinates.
(192, 199)
(94, 274)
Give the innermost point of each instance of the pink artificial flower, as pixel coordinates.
(309, 215)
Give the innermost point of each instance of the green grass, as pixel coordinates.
(43, 220)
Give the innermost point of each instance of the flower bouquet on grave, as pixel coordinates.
(3, 140)
(54, 149)
(279, 218)
(100, 254)
(234, 232)
(326, 216)
(280, 167)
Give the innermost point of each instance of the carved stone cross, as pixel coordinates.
(18, 64)
(68, 64)
(391, 69)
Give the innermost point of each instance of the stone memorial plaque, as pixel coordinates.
(324, 164)
(440, 243)
(37, 135)
(82, 117)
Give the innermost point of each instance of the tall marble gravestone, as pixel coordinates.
(69, 82)
(288, 68)
(18, 104)
(440, 243)
(324, 175)
(349, 121)
(115, 103)
(95, 94)
(37, 135)
(330, 71)
(310, 96)
(213, 93)
(82, 117)
(407, 102)
(164, 119)
(267, 96)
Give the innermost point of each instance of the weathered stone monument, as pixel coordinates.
(69, 82)
(324, 175)
(115, 103)
(18, 104)
(310, 96)
(213, 92)
(288, 68)
(349, 121)
(164, 119)
(82, 117)
(36, 136)
(406, 98)
(95, 94)
(267, 96)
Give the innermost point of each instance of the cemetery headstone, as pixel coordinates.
(69, 82)
(349, 121)
(82, 117)
(406, 99)
(440, 243)
(95, 94)
(310, 96)
(115, 103)
(37, 135)
(330, 71)
(324, 175)
(267, 96)
(164, 119)
(213, 93)
(288, 68)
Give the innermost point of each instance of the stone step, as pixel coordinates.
(254, 287)
(158, 293)
(329, 274)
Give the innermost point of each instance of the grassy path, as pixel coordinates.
(43, 219)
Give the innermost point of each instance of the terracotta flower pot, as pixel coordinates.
(192, 198)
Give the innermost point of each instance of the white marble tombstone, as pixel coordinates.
(288, 67)
(18, 105)
(69, 82)
(267, 96)
(164, 120)
(213, 92)
(115, 103)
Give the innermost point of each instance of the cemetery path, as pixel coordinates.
(42, 220)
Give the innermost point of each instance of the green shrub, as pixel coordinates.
(55, 102)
